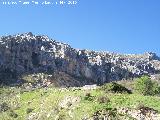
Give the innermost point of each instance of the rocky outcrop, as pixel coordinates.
(25, 54)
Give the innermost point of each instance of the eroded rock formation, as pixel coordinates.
(25, 54)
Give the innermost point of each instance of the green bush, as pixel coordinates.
(88, 97)
(115, 88)
(29, 110)
(13, 114)
(106, 114)
(144, 109)
(103, 99)
(4, 107)
(145, 86)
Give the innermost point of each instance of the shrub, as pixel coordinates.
(88, 97)
(103, 99)
(63, 115)
(4, 107)
(144, 110)
(116, 88)
(13, 114)
(145, 86)
(29, 110)
(106, 114)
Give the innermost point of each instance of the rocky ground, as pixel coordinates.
(75, 103)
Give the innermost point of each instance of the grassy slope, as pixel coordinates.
(44, 102)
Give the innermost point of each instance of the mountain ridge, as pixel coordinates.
(26, 53)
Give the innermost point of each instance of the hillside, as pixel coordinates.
(76, 104)
(42, 79)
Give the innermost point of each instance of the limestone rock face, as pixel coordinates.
(24, 54)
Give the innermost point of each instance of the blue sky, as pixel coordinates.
(123, 26)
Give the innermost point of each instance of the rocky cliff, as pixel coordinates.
(27, 54)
